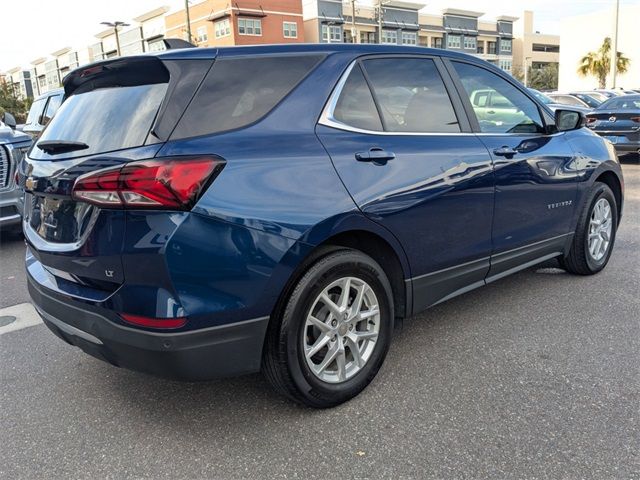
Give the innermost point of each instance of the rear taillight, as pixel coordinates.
(635, 119)
(590, 119)
(150, 322)
(165, 183)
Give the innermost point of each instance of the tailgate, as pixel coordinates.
(114, 112)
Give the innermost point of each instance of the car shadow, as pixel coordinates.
(629, 158)
(241, 404)
(10, 236)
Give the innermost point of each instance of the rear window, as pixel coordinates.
(622, 103)
(106, 119)
(240, 91)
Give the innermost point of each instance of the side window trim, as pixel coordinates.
(376, 102)
(464, 120)
(468, 107)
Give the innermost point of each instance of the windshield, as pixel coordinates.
(105, 120)
(541, 96)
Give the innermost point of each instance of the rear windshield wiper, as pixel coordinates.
(60, 146)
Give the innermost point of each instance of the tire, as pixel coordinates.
(580, 259)
(292, 335)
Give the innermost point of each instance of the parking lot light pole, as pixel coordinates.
(613, 67)
(115, 25)
(186, 8)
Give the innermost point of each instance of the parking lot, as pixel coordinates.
(536, 375)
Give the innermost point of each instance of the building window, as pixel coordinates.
(367, 37)
(538, 47)
(222, 28)
(201, 34)
(505, 65)
(436, 42)
(453, 41)
(250, 26)
(155, 45)
(409, 38)
(491, 48)
(331, 34)
(505, 45)
(290, 29)
(390, 36)
(480, 48)
(470, 43)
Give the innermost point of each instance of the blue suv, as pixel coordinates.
(209, 212)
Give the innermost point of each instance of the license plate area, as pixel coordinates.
(58, 220)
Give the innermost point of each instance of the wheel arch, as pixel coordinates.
(359, 233)
(610, 179)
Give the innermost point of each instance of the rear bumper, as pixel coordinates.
(627, 147)
(204, 354)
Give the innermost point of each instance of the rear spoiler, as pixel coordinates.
(139, 69)
(175, 43)
(117, 72)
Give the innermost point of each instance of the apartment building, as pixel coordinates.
(532, 49)
(404, 24)
(143, 34)
(245, 22)
(508, 42)
(19, 81)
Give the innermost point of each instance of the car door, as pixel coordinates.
(398, 137)
(535, 174)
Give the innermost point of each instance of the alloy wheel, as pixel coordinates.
(600, 228)
(341, 330)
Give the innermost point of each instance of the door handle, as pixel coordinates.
(375, 154)
(505, 151)
(491, 112)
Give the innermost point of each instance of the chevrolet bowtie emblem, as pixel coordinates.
(29, 183)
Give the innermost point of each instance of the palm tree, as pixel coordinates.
(598, 63)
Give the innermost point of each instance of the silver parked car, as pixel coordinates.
(42, 110)
(13, 146)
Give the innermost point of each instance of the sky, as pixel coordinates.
(30, 29)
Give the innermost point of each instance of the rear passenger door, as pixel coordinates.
(401, 143)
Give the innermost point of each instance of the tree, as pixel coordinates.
(545, 78)
(517, 73)
(9, 102)
(598, 63)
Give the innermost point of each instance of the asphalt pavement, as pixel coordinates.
(533, 376)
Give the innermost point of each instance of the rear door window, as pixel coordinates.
(106, 119)
(411, 95)
(356, 107)
(241, 91)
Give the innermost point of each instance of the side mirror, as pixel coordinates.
(569, 120)
(9, 120)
